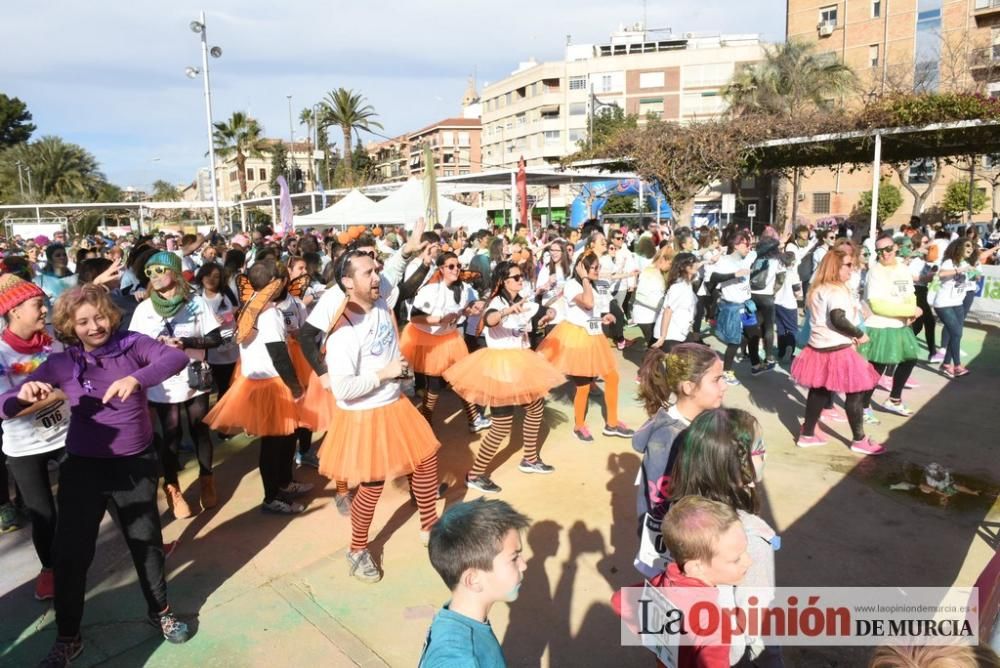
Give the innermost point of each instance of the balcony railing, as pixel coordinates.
(985, 8)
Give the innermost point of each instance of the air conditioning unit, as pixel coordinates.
(825, 29)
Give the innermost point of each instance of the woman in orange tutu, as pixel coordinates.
(262, 399)
(378, 434)
(578, 348)
(506, 374)
(432, 343)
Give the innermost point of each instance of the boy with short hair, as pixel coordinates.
(709, 546)
(476, 549)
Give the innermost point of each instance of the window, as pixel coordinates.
(233, 175)
(921, 171)
(994, 90)
(576, 135)
(449, 172)
(463, 138)
(821, 202)
(463, 172)
(828, 15)
(873, 55)
(651, 79)
(249, 173)
(652, 105)
(607, 83)
(578, 83)
(876, 8)
(551, 136)
(926, 67)
(447, 138)
(262, 173)
(578, 109)
(521, 119)
(713, 74)
(506, 99)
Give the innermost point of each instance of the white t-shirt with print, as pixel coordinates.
(512, 330)
(255, 361)
(952, 292)
(196, 318)
(682, 303)
(42, 431)
(824, 299)
(225, 313)
(589, 319)
(438, 299)
(559, 303)
(362, 345)
(785, 295)
(736, 290)
(293, 313)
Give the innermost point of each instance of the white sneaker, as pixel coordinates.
(482, 423)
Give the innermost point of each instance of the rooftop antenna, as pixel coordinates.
(643, 20)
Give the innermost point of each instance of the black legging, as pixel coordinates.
(926, 321)
(616, 330)
(899, 378)
(699, 313)
(277, 454)
(819, 398)
(647, 332)
(32, 476)
(765, 320)
(87, 485)
(627, 303)
(169, 441)
(223, 375)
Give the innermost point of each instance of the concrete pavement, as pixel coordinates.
(270, 591)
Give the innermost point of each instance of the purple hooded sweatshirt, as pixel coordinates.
(118, 428)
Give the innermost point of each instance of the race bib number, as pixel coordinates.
(602, 299)
(594, 327)
(902, 288)
(50, 419)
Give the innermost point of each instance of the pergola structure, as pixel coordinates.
(897, 144)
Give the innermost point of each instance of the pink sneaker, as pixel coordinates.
(833, 415)
(910, 385)
(885, 382)
(867, 447)
(810, 441)
(960, 371)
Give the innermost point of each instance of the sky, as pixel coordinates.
(110, 75)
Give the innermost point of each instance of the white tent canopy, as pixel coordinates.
(404, 206)
(342, 214)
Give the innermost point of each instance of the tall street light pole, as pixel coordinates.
(20, 177)
(199, 27)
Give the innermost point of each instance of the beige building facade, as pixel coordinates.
(901, 46)
(542, 111)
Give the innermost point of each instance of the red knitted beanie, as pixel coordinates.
(15, 290)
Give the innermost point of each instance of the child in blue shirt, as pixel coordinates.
(476, 549)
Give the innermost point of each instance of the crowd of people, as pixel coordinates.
(114, 349)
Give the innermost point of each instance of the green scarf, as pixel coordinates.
(167, 308)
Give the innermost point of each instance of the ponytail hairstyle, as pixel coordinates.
(499, 275)
(662, 374)
(714, 459)
(588, 260)
(679, 267)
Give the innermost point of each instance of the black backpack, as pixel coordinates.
(807, 265)
(758, 275)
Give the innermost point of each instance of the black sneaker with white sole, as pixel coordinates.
(619, 430)
(173, 629)
(62, 653)
(483, 484)
(537, 466)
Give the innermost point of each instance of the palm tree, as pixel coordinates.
(307, 118)
(349, 111)
(241, 136)
(164, 191)
(60, 172)
(792, 79)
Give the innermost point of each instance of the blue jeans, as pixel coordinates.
(966, 307)
(953, 318)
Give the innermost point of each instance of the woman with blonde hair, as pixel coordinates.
(830, 362)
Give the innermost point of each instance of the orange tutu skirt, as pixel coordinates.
(318, 406)
(302, 372)
(503, 377)
(261, 407)
(376, 443)
(429, 354)
(574, 352)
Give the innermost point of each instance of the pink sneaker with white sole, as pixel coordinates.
(810, 441)
(867, 446)
(833, 415)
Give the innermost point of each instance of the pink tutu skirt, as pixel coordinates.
(842, 370)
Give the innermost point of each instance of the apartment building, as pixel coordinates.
(542, 111)
(899, 45)
(391, 158)
(258, 172)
